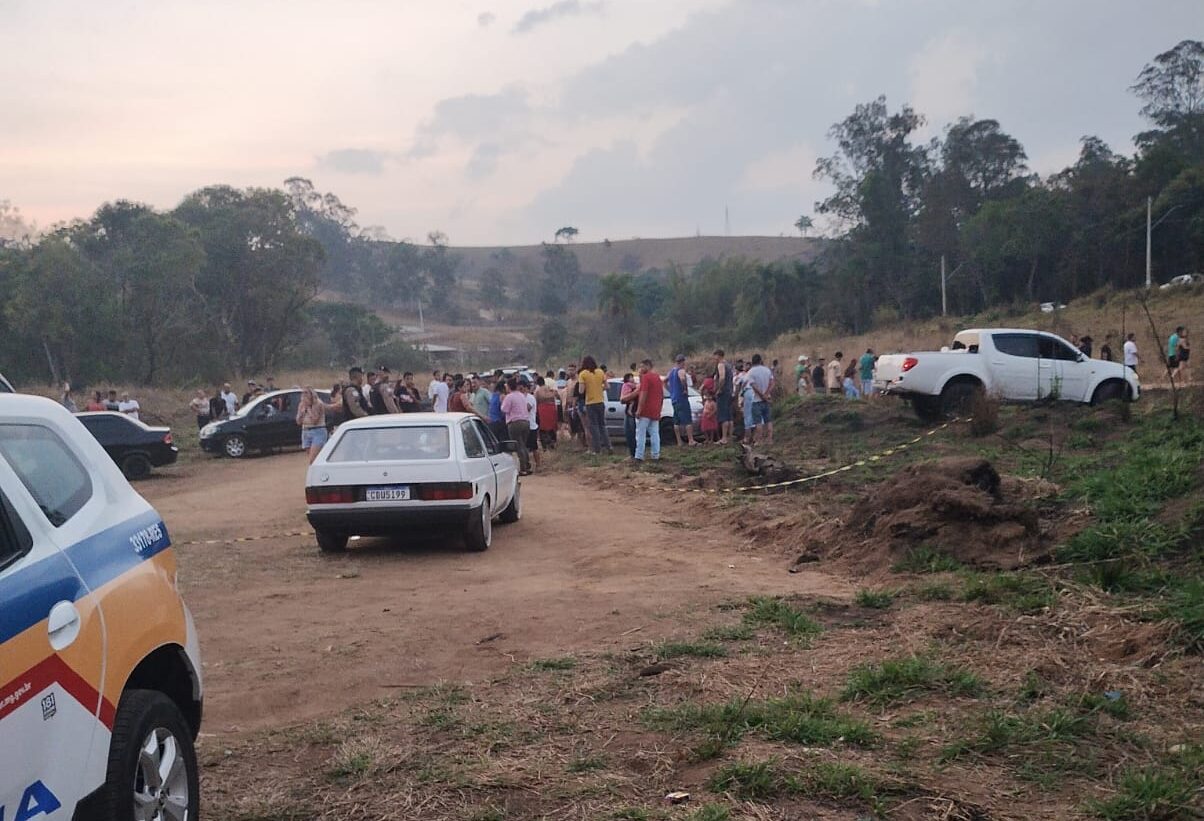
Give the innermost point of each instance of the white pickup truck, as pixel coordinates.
(1012, 364)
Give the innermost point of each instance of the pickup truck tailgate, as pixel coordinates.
(889, 368)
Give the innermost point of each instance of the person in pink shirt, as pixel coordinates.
(514, 412)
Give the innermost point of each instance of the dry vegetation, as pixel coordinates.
(1064, 686)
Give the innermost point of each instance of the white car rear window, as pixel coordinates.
(393, 444)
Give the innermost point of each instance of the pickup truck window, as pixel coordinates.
(1017, 344)
(1050, 348)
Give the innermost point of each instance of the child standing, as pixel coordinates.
(710, 417)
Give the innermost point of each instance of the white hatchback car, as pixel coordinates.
(383, 475)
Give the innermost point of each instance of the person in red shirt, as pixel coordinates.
(648, 411)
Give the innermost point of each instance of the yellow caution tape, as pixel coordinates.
(234, 539)
(877, 457)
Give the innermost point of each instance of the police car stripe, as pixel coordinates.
(28, 594)
(51, 671)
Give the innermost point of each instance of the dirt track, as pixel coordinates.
(288, 634)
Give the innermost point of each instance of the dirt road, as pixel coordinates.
(288, 634)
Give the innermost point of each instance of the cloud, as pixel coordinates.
(476, 116)
(557, 11)
(944, 76)
(484, 160)
(354, 161)
(486, 19)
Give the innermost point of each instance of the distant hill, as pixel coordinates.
(639, 254)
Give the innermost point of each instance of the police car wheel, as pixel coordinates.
(152, 772)
(235, 446)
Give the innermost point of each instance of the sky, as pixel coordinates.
(500, 122)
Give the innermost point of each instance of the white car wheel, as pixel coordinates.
(514, 510)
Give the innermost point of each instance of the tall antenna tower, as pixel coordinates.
(727, 222)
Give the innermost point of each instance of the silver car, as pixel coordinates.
(615, 411)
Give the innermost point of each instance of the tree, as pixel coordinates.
(879, 176)
(804, 224)
(354, 331)
(440, 266)
(553, 337)
(562, 274)
(259, 274)
(1172, 88)
(568, 233)
(493, 288)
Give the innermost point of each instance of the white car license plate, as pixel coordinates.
(396, 493)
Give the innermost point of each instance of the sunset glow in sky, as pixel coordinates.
(498, 122)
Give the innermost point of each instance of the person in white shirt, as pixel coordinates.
(439, 393)
(532, 420)
(230, 398)
(1132, 359)
(128, 406)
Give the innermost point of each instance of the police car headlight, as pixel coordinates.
(208, 430)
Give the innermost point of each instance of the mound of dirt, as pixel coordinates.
(959, 507)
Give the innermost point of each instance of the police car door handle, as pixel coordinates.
(63, 625)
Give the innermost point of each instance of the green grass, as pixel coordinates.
(874, 599)
(926, 559)
(710, 812)
(1169, 789)
(798, 718)
(767, 610)
(764, 780)
(1025, 592)
(748, 781)
(730, 632)
(903, 679)
(1185, 606)
(679, 649)
(937, 591)
(561, 663)
(1042, 745)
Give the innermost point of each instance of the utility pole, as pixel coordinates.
(1149, 230)
(943, 305)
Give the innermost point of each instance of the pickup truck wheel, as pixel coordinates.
(514, 510)
(957, 399)
(152, 769)
(136, 466)
(479, 534)
(1110, 391)
(927, 408)
(331, 542)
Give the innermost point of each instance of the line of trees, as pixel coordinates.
(1007, 235)
(1012, 236)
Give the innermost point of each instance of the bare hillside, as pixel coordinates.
(639, 254)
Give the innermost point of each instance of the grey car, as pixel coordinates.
(614, 411)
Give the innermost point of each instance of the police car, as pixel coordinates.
(100, 675)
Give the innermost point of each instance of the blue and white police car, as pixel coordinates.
(100, 674)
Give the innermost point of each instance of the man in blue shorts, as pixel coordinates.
(679, 397)
(760, 386)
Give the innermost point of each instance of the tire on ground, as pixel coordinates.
(514, 510)
(1109, 391)
(139, 714)
(136, 466)
(479, 533)
(958, 397)
(235, 446)
(330, 541)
